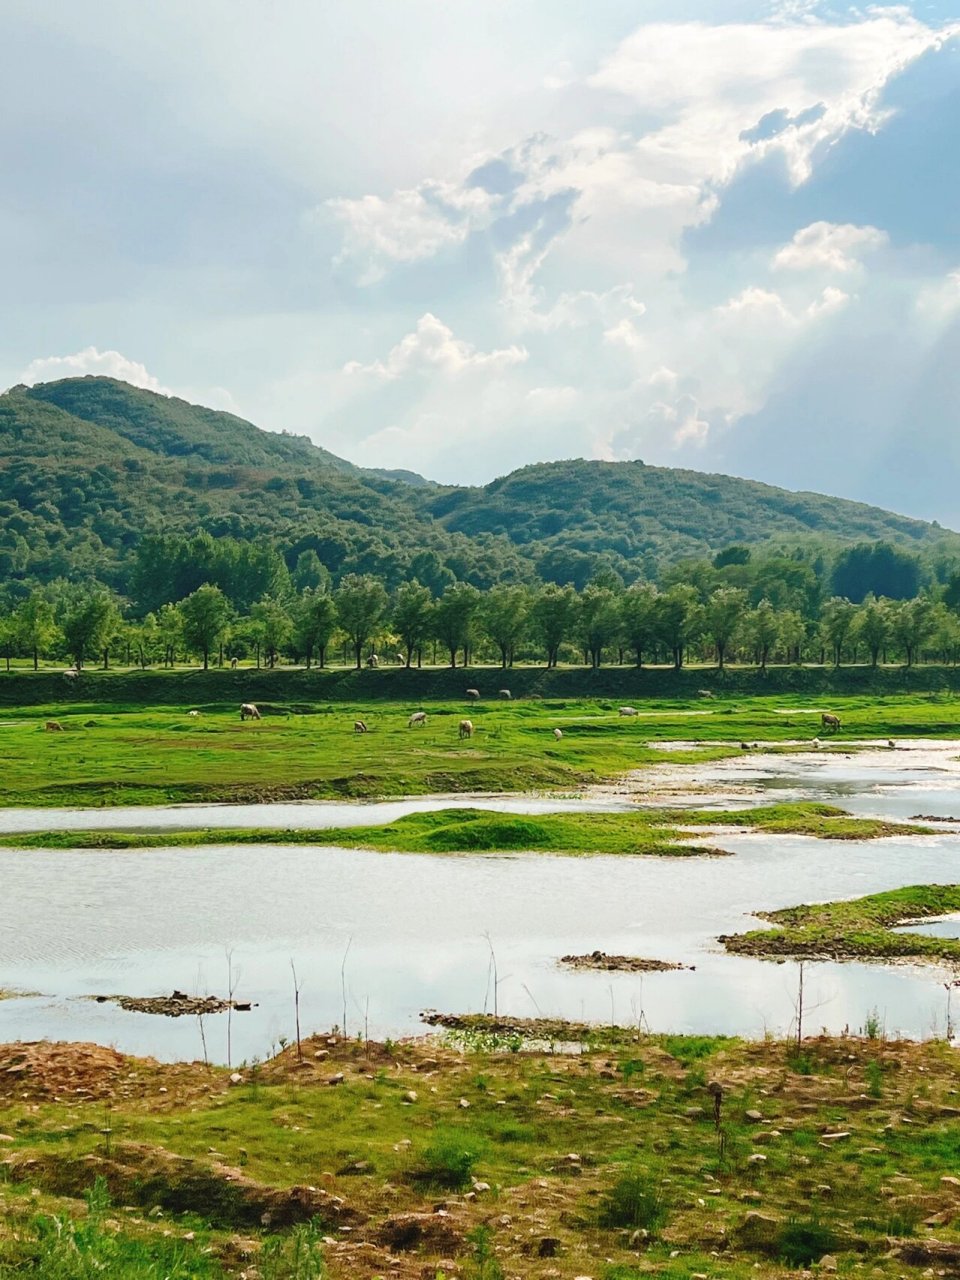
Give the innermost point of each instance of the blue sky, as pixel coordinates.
(461, 237)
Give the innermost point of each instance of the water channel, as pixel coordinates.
(416, 930)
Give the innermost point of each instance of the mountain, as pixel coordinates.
(89, 466)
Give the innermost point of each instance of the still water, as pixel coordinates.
(415, 929)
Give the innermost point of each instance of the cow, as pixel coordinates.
(248, 711)
(234, 663)
(193, 713)
(829, 721)
(71, 673)
(399, 659)
(558, 734)
(417, 720)
(705, 693)
(473, 694)
(505, 693)
(373, 660)
(359, 726)
(466, 729)
(629, 711)
(53, 726)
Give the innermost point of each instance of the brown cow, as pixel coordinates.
(53, 726)
(359, 726)
(829, 721)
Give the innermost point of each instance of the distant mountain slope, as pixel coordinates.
(636, 510)
(88, 466)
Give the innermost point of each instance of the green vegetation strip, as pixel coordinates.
(860, 929)
(650, 832)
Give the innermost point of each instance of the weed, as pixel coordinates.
(803, 1241)
(295, 1256)
(873, 1073)
(448, 1162)
(872, 1025)
(483, 1263)
(633, 1202)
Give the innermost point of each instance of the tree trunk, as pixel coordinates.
(36, 659)
(206, 659)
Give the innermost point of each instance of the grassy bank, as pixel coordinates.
(675, 1156)
(121, 753)
(859, 929)
(644, 832)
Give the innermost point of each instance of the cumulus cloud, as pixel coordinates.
(103, 364)
(829, 246)
(432, 347)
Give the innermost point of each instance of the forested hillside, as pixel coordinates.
(99, 480)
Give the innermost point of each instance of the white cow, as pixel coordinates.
(248, 711)
(466, 728)
(629, 711)
(417, 720)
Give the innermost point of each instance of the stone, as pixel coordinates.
(753, 1116)
(463, 1104)
(410, 1096)
(948, 1179)
(828, 1262)
(834, 1137)
(236, 1078)
(757, 1158)
(337, 1079)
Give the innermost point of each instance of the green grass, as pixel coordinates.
(114, 752)
(643, 832)
(857, 929)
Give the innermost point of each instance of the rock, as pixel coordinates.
(320, 1054)
(337, 1079)
(757, 1231)
(481, 1187)
(834, 1137)
(236, 1078)
(828, 1262)
(409, 1096)
(463, 1103)
(5, 1137)
(757, 1158)
(947, 1179)
(753, 1116)
(694, 1113)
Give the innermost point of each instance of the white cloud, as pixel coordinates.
(432, 347)
(408, 225)
(830, 246)
(103, 364)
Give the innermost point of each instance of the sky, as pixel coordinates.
(461, 236)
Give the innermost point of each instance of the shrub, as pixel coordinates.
(448, 1161)
(802, 1242)
(633, 1201)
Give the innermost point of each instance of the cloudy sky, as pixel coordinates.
(465, 235)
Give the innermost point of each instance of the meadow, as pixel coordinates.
(126, 751)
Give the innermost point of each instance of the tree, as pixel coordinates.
(723, 615)
(361, 602)
(762, 628)
(314, 623)
(679, 619)
(638, 616)
(310, 572)
(553, 617)
(89, 625)
(453, 618)
(878, 569)
(913, 623)
(599, 622)
(873, 626)
(35, 626)
(504, 614)
(793, 633)
(412, 610)
(170, 628)
(205, 613)
(276, 626)
(836, 622)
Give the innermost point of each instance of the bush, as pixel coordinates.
(448, 1162)
(802, 1242)
(633, 1201)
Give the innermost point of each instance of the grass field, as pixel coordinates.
(639, 1156)
(123, 753)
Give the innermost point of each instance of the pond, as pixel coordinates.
(410, 932)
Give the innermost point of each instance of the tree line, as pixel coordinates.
(698, 619)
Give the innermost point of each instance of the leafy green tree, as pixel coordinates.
(553, 618)
(35, 626)
(454, 615)
(723, 615)
(412, 616)
(206, 615)
(89, 626)
(361, 602)
(793, 633)
(913, 623)
(836, 623)
(315, 622)
(310, 573)
(762, 628)
(599, 622)
(504, 615)
(679, 620)
(873, 626)
(638, 616)
(276, 626)
(877, 569)
(170, 628)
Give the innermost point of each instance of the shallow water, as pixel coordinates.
(78, 923)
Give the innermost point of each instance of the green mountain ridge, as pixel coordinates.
(89, 466)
